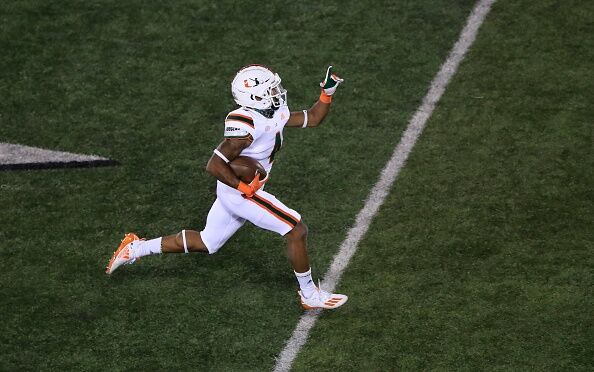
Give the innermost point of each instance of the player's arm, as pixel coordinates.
(316, 114)
(218, 165)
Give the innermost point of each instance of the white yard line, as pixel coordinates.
(388, 176)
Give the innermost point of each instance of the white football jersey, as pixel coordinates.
(267, 134)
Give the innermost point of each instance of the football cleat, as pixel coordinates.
(322, 300)
(122, 256)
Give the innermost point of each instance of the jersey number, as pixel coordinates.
(278, 143)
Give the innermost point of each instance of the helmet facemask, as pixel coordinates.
(273, 97)
(278, 96)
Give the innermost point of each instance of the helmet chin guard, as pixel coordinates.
(257, 87)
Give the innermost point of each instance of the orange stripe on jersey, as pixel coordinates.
(244, 116)
(241, 118)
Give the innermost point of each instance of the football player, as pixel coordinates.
(255, 129)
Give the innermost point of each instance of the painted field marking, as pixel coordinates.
(389, 173)
(20, 157)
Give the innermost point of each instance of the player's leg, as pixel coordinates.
(312, 297)
(220, 226)
(266, 211)
(297, 247)
(183, 242)
(269, 213)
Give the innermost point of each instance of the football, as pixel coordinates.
(245, 168)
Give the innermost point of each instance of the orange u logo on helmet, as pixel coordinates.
(247, 84)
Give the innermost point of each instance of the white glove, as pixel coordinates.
(330, 83)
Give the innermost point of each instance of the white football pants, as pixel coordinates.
(230, 211)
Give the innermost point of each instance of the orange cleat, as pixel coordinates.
(122, 255)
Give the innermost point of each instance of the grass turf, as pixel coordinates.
(147, 84)
(482, 256)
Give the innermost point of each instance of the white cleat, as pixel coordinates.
(321, 299)
(122, 256)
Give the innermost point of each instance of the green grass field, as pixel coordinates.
(481, 259)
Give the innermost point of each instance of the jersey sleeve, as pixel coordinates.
(239, 125)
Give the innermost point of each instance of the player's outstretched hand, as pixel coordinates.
(331, 82)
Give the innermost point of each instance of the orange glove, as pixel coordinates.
(250, 189)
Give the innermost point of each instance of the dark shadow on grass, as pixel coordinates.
(59, 165)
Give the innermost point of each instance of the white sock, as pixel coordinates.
(306, 283)
(146, 247)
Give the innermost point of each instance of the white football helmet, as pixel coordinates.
(257, 87)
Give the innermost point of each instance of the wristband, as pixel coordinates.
(325, 97)
(304, 119)
(244, 188)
